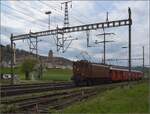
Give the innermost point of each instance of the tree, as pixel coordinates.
(7, 54)
(28, 66)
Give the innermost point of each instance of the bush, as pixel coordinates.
(28, 66)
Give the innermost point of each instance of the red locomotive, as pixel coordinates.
(93, 73)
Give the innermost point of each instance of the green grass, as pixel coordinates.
(57, 74)
(8, 70)
(16, 70)
(119, 100)
(48, 75)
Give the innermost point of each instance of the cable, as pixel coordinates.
(60, 12)
(77, 17)
(21, 12)
(52, 8)
(24, 19)
(35, 8)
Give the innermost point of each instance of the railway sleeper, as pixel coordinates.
(61, 105)
(33, 90)
(52, 101)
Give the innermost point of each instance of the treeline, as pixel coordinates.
(5, 53)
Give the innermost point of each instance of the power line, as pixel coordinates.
(21, 12)
(82, 15)
(56, 11)
(23, 19)
(33, 8)
(60, 12)
(39, 11)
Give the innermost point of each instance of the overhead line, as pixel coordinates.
(77, 16)
(60, 12)
(43, 13)
(24, 19)
(22, 12)
(50, 7)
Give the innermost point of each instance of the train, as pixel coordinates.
(85, 72)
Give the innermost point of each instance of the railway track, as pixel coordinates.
(36, 97)
(59, 99)
(24, 89)
(40, 103)
(21, 86)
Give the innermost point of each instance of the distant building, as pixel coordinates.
(49, 61)
(50, 54)
(57, 62)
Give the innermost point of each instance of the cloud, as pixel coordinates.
(31, 16)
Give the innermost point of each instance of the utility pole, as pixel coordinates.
(12, 60)
(143, 59)
(14, 50)
(1, 58)
(48, 13)
(107, 17)
(1, 53)
(104, 45)
(88, 37)
(66, 14)
(130, 21)
(104, 34)
(104, 41)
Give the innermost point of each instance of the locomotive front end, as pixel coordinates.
(80, 71)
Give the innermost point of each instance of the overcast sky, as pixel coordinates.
(19, 17)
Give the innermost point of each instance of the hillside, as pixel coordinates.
(50, 61)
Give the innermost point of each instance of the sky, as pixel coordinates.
(20, 17)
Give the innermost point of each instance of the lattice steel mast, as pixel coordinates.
(66, 13)
(79, 28)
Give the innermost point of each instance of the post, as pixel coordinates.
(36, 47)
(14, 51)
(49, 22)
(88, 35)
(1, 58)
(130, 22)
(57, 39)
(143, 59)
(48, 13)
(12, 60)
(1, 53)
(104, 50)
(104, 46)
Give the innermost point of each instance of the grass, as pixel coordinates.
(48, 75)
(8, 70)
(119, 100)
(57, 74)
